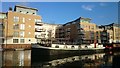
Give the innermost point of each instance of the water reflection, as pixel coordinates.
(16, 58)
(0, 59)
(84, 61)
(23, 59)
(116, 60)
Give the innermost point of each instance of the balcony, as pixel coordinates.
(80, 29)
(67, 33)
(68, 29)
(39, 30)
(40, 36)
(37, 36)
(81, 33)
(61, 30)
(38, 22)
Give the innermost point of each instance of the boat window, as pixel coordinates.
(86, 47)
(56, 46)
(72, 47)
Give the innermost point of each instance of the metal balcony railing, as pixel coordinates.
(38, 22)
(37, 36)
(81, 33)
(40, 30)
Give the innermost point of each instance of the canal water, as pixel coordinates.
(15, 59)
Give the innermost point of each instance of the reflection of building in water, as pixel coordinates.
(116, 61)
(105, 61)
(85, 59)
(1, 59)
(17, 58)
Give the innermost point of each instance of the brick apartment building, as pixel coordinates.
(79, 31)
(18, 27)
(114, 32)
(22, 26)
(82, 31)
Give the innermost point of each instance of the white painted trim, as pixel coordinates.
(26, 41)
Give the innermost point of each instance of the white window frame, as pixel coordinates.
(16, 34)
(15, 26)
(29, 32)
(30, 26)
(22, 26)
(23, 20)
(22, 34)
(15, 40)
(22, 40)
(16, 19)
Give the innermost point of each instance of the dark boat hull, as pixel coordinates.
(47, 54)
(51, 52)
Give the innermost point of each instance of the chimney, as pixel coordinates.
(10, 8)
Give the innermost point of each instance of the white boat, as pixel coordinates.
(59, 49)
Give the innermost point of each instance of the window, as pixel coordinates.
(68, 24)
(29, 25)
(35, 20)
(73, 22)
(22, 26)
(22, 41)
(22, 34)
(82, 26)
(29, 19)
(81, 21)
(78, 26)
(92, 28)
(16, 34)
(72, 47)
(23, 20)
(15, 40)
(29, 33)
(56, 46)
(16, 19)
(16, 26)
(89, 27)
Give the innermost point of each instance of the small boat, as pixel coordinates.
(63, 49)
